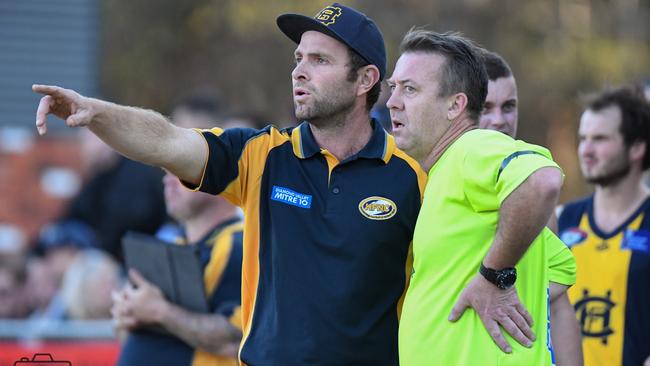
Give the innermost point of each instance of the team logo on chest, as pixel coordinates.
(377, 208)
(594, 313)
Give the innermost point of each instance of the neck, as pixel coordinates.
(456, 129)
(615, 203)
(200, 225)
(345, 135)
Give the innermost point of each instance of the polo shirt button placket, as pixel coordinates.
(336, 190)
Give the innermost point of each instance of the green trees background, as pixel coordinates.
(153, 52)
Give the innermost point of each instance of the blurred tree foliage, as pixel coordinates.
(153, 52)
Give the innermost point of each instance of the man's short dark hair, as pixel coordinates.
(204, 104)
(635, 115)
(495, 65)
(357, 62)
(463, 72)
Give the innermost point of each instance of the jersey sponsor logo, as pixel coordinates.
(573, 236)
(594, 313)
(328, 15)
(636, 240)
(286, 195)
(377, 208)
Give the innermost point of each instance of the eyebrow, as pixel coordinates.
(393, 81)
(313, 54)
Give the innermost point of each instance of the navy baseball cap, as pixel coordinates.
(68, 233)
(345, 24)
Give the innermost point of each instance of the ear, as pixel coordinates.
(457, 105)
(368, 77)
(638, 151)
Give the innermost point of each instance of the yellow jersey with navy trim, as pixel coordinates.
(220, 253)
(326, 243)
(612, 292)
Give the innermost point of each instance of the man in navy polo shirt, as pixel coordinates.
(327, 231)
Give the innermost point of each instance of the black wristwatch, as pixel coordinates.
(501, 278)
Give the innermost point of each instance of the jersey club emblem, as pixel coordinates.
(594, 313)
(377, 208)
(328, 15)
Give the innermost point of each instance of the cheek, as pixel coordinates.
(484, 121)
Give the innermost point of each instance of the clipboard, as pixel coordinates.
(175, 269)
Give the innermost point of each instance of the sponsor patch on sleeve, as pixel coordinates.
(573, 236)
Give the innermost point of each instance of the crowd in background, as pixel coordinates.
(75, 264)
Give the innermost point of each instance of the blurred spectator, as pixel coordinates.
(13, 276)
(88, 283)
(59, 247)
(213, 225)
(245, 119)
(119, 195)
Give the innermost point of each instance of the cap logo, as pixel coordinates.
(377, 208)
(328, 15)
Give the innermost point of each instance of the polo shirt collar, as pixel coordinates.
(380, 146)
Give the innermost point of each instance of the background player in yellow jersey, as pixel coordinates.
(213, 225)
(487, 199)
(501, 113)
(609, 231)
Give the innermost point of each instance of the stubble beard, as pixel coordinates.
(328, 111)
(616, 172)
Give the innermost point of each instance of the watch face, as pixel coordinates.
(506, 278)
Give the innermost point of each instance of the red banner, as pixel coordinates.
(72, 353)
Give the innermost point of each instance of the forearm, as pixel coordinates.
(147, 136)
(522, 216)
(565, 333)
(210, 332)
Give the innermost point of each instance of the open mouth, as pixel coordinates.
(299, 92)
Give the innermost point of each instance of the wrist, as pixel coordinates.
(503, 278)
(162, 312)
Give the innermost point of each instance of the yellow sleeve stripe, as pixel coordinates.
(408, 269)
(421, 174)
(235, 318)
(221, 248)
(216, 131)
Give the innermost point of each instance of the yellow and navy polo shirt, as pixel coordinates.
(220, 252)
(611, 295)
(326, 243)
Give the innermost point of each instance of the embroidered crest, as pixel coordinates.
(377, 208)
(328, 15)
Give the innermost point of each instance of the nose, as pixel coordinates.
(497, 119)
(395, 100)
(299, 72)
(585, 147)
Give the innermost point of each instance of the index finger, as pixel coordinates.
(46, 89)
(136, 278)
(41, 114)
